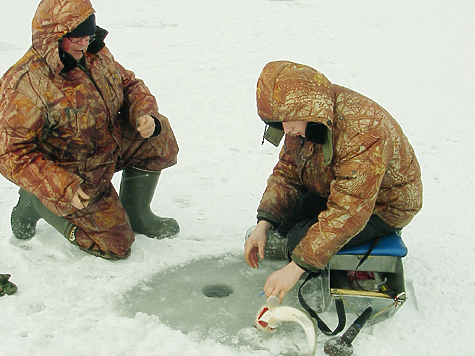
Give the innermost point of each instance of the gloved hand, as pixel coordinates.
(6, 287)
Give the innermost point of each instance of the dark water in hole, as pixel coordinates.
(217, 291)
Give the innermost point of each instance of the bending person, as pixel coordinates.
(346, 173)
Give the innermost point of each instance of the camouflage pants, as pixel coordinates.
(104, 224)
(305, 213)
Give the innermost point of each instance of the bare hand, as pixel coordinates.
(146, 126)
(254, 245)
(281, 281)
(80, 199)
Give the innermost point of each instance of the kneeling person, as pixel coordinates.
(70, 117)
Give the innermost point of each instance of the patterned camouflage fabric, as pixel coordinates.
(61, 131)
(6, 287)
(367, 165)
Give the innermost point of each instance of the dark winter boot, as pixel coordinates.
(136, 192)
(30, 209)
(61, 224)
(24, 217)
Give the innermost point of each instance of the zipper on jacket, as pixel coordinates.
(85, 70)
(83, 67)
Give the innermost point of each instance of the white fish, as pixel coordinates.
(269, 317)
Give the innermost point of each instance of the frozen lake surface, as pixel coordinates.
(201, 59)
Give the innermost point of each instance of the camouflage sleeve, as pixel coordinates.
(138, 98)
(139, 101)
(359, 170)
(21, 128)
(284, 186)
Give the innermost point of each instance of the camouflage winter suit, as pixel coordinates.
(366, 165)
(61, 131)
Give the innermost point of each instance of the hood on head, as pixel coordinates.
(288, 91)
(52, 20)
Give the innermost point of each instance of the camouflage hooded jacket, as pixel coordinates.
(61, 130)
(366, 165)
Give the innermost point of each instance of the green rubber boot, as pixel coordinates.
(30, 209)
(24, 217)
(136, 192)
(62, 225)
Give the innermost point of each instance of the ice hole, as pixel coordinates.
(217, 291)
(216, 298)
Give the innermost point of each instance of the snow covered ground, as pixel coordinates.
(202, 59)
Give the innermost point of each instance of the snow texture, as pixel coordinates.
(201, 59)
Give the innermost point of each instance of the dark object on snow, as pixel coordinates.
(341, 346)
(6, 287)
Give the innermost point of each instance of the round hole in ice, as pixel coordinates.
(217, 291)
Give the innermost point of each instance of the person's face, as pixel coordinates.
(295, 128)
(75, 46)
